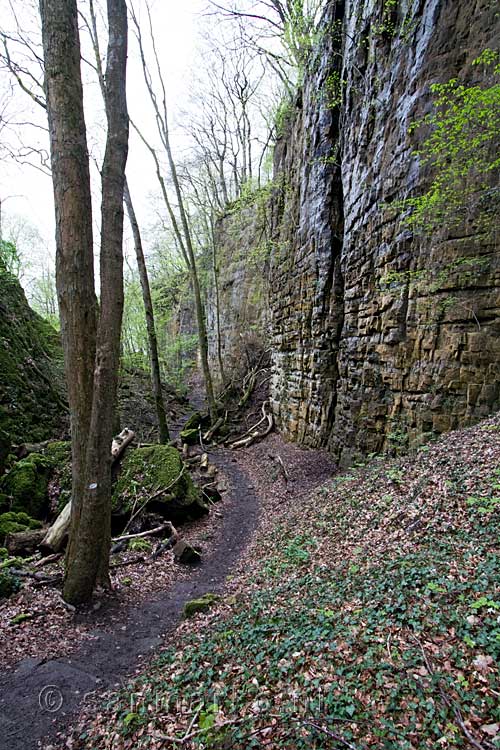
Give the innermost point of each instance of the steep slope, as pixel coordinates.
(31, 401)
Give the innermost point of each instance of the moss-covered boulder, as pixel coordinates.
(157, 473)
(31, 374)
(203, 604)
(25, 488)
(26, 485)
(12, 523)
(189, 436)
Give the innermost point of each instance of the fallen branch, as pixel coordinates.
(253, 434)
(279, 461)
(211, 432)
(151, 532)
(47, 560)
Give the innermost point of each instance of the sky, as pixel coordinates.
(26, 192)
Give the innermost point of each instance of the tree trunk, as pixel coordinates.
(150, 320)
(88, 553)
(91, 356)
(73, 213)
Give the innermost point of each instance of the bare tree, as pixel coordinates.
(91, 340)
(91, 25)
(178, 217)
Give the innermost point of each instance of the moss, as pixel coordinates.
(4, 450)
(146, 471)
(12, 562)
(22, 617)
(26, 485)
(189, 436)
(31, 372)
(4, 553)
(203, 604)
(9, 584)
(196, 420)
(12, 523)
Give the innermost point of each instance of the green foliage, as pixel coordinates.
(462, 150)
(10, 262)
(140, 545)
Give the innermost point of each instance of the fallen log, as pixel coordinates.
(56, 536)
(24, 543)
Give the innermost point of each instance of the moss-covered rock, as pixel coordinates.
(197, 419)
(189, 436)
(25, 487)
(9, 584)
(31, 371)
(202, 604)
(146, 472)
(12, 523)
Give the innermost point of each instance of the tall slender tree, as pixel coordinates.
(91, 337)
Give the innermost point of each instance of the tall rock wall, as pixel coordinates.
(380, 338)
(242, 293)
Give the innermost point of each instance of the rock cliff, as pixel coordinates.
(380, 338)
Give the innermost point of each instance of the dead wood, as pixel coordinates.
(254, 433)
(279, 461)
(151, 532)
(24, 542)
(211, 432)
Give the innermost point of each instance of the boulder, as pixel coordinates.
(158, 473)
(203, 604)
(186, 554)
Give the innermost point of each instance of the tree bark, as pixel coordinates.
(73, 213)
(150, 320)
(88, 552)
(91, 353)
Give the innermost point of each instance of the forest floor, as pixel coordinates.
(55, 661)
(364, 613)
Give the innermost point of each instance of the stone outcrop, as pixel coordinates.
(243, 250)
(32, 402)
(381, 339)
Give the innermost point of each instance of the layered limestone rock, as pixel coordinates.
(381, 339)
(241, 295)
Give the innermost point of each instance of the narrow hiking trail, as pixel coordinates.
(50, 692)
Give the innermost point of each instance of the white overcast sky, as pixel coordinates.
(26, 192)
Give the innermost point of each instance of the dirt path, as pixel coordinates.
(42, 696)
